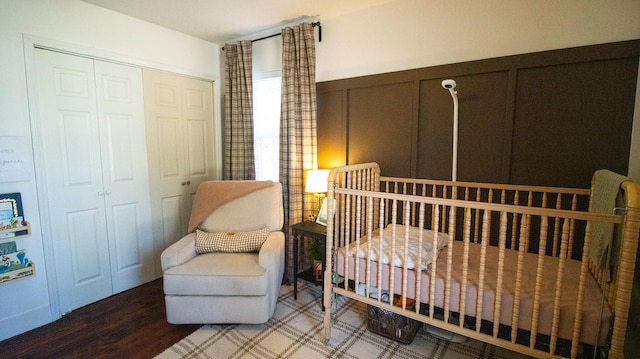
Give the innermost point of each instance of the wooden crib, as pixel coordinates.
(505, 264)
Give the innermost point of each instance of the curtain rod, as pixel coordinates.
(314, 24)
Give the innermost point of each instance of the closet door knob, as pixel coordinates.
(107, 192)
(100, 193)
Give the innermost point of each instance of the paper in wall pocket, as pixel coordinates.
(8, 247)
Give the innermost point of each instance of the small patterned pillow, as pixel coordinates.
(230, 242)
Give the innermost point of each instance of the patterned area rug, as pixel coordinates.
(296, 331)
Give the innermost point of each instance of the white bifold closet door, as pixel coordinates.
(91, 131)
(180, 144)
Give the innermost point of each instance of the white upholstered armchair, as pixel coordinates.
(230, 268)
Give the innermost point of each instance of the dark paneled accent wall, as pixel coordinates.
(376, 122)
(547, 118)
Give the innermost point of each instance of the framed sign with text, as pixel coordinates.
(14, 159)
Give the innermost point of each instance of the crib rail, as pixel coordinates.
(572, 199)
(534, 222)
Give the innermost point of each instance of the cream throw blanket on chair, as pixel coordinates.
(212, 194)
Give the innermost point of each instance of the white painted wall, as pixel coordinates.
(406, 34)
(26, 304)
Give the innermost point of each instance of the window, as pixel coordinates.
(266, 127)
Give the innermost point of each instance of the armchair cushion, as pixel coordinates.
(224, 274)
(230, 242)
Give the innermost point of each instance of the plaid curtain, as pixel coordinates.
(297, 126)
(239, 161)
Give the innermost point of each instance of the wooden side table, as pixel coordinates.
(306, 229)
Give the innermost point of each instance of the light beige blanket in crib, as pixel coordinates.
(407, 246)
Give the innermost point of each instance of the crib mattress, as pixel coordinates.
(593, 299)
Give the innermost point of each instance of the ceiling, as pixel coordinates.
(218, 21)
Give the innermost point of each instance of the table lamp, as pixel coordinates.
(316, 183)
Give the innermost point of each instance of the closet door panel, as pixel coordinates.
(125, 235)
(171, 212)
(79, 165)
(132, 257)
(180, 129)
(195, 98)
(167, 166)
(120, 148)
(197, 148)
(170, 159)
(85, 237)
(69, 135)
(121, 111)
(85, 229)
(169, 179)
(198, 114)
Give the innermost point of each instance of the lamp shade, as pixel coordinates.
(316, 181)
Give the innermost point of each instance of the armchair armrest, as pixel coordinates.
(179, 252)
(272, 252)
(271, 258)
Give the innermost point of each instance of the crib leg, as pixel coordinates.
(328, 304)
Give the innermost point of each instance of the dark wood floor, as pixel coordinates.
(131, 324)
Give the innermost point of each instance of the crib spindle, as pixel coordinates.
(536, 301)
(524, 224)
(405, 269)
(528, 235)
(358, 219)
(442, 218)
(481, 274)
(432, 275)
(559, 279)
(447, 284)
(556, 230)
(490, 200)
(347, 226)
(465, 264)
(498, 297)
(477, 228)
(574, 206)
(380, 228)
(413, 206)
(370, 222)
(514, 226)
(419, 277)
(392, 268)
